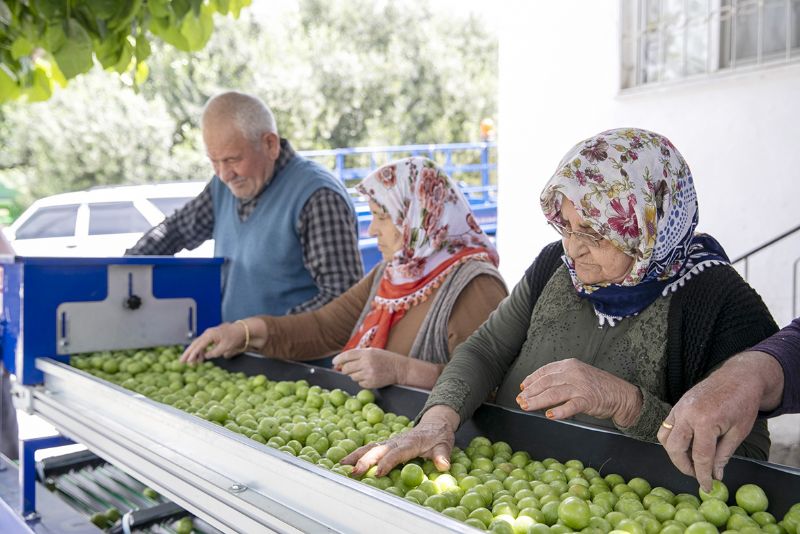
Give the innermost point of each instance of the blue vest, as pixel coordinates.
(264, 272)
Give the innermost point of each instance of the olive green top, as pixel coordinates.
(564, 325)
(513, 344)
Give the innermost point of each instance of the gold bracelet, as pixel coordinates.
(246, 334)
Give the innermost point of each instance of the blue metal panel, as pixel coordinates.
(46, 285)
(10, 309)
(33, 288)
(27, 468)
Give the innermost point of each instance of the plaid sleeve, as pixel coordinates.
(327, 229)
(187, 228)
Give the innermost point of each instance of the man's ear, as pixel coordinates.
(272, 144)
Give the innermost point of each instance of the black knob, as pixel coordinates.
(133, 302)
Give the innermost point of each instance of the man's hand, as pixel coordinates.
(569, 387)
(710, 421)
(225, 340)
(372, 368)
(433, 438)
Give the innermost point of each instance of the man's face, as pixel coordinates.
(242, 165)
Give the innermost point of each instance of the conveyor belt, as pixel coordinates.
(542, 438)
(92, 486)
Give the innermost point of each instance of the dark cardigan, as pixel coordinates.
(714, 316)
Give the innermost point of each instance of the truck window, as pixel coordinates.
(50, 221)
(116, 218)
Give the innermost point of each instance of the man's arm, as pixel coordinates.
(187, 228)
(327, 229)
(709, 422)
(785, 348)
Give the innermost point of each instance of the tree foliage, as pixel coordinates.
(47, 42)
(336, 73)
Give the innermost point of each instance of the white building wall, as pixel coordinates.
(740, 133)
(559, 83)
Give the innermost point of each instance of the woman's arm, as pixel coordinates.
(312, 334)
(479, 364)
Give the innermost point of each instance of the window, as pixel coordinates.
(53, 221)
(169, 205)
(665, 40)
(115, 218)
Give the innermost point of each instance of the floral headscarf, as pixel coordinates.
(439, 233)
(634, 188)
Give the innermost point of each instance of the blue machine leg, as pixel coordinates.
(27, 470)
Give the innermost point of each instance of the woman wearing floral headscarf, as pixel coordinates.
(438, 282)
(613, 323)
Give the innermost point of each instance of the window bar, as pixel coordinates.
(685, 58)
(732, 43)
(641, 42)
(759, 31)
(710, 37)
(661, 57)
(788, 29)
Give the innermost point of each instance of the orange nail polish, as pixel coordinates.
(521, 387)
(549, 414)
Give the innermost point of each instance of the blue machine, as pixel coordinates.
(54, 307)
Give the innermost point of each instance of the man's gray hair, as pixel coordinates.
(249, 114)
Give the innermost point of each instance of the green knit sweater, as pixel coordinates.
(712, 317)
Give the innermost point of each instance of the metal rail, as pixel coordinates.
(746, 259)
(459, 160)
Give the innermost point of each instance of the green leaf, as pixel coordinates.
(163, 28)
(108, 50)
(141, 74)
(125, 56)
(75, 55)
(9, 88)
(125, 16)
(50, 10)
(223, 6)
(159, 8)
(21, 47)
(40, 88)
(5, 13)
(236, 7)
(104, 9)
(54, 37)
(198, 30)
(142, 50)
(180, 8)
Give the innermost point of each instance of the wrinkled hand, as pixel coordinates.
(433, 438)
(225, 340)
(715, 416)
(372, 368)
(569, 387)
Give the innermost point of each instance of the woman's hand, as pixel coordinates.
(433, 438)
(225, 340)
(372, 368)
(569, 387)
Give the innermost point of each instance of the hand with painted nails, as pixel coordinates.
(568, 387)
(710, 421)
(433, 437)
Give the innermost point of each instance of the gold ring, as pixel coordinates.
(666, 425)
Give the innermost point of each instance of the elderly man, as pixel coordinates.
(285, 224)
(710, 421)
